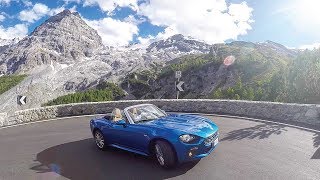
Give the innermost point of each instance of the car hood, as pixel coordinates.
(185, 124)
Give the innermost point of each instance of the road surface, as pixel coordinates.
(64, 149)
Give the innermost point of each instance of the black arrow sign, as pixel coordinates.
(22, 100)
(180, 86)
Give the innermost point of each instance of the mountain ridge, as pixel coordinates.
(64, 55)
(51, 42)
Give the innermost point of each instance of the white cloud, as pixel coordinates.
(37, 12)
(110, 5)
(55, 11)
(146, 40)
(302, 15)
(31, 15)
(19, 30)
(2, 17)
(168, 32)
(72, 1)
(114, 32)
(73, 8)
(310, 46)
(210, 20)
(27, 3)
(5, 2)
(134, 20)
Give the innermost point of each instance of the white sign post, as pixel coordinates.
(178, 75)
(178, 83)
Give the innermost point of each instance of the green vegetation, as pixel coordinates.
(139, 82)
(264, 74)
(186, 63)
(259, 74)
(7, 82)
(104, 92)
(303, 78)
(117, 92)
(141, 86)
(297, 83)
(237, 92)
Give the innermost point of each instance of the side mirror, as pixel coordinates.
(121, 122)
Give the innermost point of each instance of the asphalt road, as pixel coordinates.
(64, 149)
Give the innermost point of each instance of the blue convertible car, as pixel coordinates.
(147, 130)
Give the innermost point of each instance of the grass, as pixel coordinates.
(9, 81)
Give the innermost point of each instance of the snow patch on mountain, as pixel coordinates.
(64, 55)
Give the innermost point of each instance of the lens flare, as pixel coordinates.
(229, 60)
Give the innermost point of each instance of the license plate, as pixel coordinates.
(216, 142)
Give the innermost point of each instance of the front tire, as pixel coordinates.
(165, 154)
(99, 140)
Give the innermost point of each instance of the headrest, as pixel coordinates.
(134, 111)
(117, 113)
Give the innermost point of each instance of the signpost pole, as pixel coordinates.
(178, 83)
(176, 86)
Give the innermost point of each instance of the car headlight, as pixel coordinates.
(187, 138)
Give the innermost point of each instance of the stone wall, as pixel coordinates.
(303, 113)
(3, 119)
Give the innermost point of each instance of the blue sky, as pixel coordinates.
(292, 23)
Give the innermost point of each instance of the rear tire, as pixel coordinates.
(99, 140)
(165, 154)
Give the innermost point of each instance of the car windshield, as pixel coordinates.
(145, 113)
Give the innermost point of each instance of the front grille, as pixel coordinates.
(210, 139)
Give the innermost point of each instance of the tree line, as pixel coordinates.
(299, 82)
(104, 91)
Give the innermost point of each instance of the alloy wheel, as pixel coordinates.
(159, 155)
(99, 139)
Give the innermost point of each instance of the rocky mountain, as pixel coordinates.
(256, 65)
(64, 38)
(176, 46)
(64, 55)
(6, 43)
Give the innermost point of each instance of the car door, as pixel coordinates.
(110, 132)
(132, 136)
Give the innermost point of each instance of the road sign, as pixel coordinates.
(178, 74)
(22, 100)
(180, 86)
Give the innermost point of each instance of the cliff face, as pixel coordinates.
(64, 55)
(64, 38)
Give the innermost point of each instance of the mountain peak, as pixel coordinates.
(177, 37)
(63, 14)
(179, 43)
(63, 38)
(65, 22)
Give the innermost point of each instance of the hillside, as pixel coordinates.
(7, 82)
(261, 72)
(64, 55)
(103, 92)
(255, 67)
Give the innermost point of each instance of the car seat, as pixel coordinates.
(116, 114)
